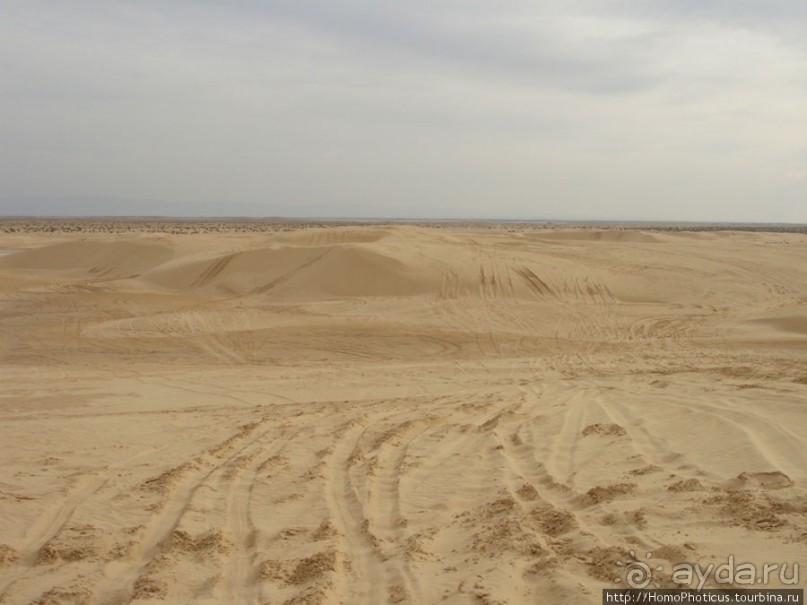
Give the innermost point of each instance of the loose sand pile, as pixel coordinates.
(396, 414)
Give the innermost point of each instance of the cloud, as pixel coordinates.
(584, 109)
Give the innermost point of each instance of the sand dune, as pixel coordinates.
(396, 414)
(110, 260)
(596, 235)
(298, 273)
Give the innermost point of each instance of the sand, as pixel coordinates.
(395, 413)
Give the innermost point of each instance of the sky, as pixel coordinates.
(679, 110)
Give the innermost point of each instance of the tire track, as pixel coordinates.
(53, 520)
(240, 568)
(384, 499)
(212, 270)
(47, 526)
(560, 462)
(360, 561)
(120, 576)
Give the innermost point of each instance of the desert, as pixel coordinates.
(292, 412)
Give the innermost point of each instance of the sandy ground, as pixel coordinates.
(396, 414)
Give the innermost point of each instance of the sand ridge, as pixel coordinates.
(395, 413)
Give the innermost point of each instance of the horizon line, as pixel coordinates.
(386, 219)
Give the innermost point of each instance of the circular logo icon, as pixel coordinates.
(638, 574)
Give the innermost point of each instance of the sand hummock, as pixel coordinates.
(395, 413)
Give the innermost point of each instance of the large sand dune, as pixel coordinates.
(396, 414)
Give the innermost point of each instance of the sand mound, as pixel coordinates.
(764, 480)
(332, 236)
(100, 259)
(353, 271)
(299, 273)
(595, 235)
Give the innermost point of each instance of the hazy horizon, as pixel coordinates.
(664, 111)
(392, 219)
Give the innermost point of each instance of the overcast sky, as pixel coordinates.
(592, 109)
